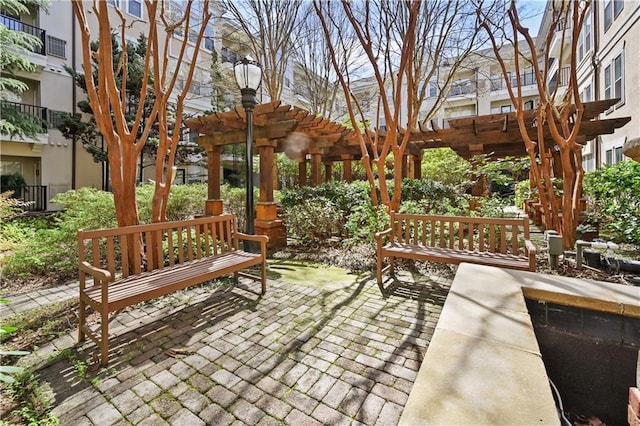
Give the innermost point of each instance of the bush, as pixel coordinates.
(185, 201)
(523, 192)
(613, 199)
(43, 248)
(344, 196)
(313, 221)
(364, 221)
(429, 196)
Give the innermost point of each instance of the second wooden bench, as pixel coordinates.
(501, 242)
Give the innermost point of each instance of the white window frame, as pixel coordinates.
(608, 14)
(618, 7)
(115, 3)
(129, 2)
(586, 94)
(618, 92)
(584, 39)
(607, 82)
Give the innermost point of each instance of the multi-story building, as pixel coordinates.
(605, 43)
(477, 87)
(52, 164)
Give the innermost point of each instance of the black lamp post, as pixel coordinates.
(248, 76)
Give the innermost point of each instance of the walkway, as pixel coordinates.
(218, 354)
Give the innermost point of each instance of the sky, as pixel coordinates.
(533, 10)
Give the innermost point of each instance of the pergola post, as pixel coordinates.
(328, 172)
(267, 222)
(405, 165)
(346, 169)
(302, 172)
(417, 166)
(316, 163)
(213, 205)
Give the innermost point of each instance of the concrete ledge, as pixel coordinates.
(483, 364)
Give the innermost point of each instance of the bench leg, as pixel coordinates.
(104, 339)
(379, 270)
(82, 319)
(264, 277)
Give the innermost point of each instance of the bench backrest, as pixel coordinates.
(135, 249)
(483, 234)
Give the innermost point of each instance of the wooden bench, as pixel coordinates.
(501, 242)
(120, 267)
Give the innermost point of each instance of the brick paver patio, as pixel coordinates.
(221, 355)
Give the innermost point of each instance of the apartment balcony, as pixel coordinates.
(17, 25)
(498, 85)
(560, 78)
(556, 41)
(33, 198)
(38, 113)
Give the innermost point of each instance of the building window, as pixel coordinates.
(114, 3)
(618, 5)
(135, 8)
(587, 162)
(584, 39)
(618, 154)
(55, 118)
(433, 90)
(608, 158)
(607, 82)
(529, 104)
(608, 14)
(505, 108)
(56, 47)
(612, 9)
(618, 77)
(586, 95)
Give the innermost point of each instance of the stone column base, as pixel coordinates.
(274, 229)
(213, 207)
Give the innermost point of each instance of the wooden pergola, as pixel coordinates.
(285, 128)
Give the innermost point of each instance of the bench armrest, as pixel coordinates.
(262, 239)
(530, 250)
(380, 236)
(101, 274)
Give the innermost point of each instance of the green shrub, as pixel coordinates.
(433, 197)
(49, 249)
(344, 196)
(364, 221)
(185, 201)
(313, 221)
(523, 192)
(613, 199)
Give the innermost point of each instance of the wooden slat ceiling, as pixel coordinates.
(283, 126)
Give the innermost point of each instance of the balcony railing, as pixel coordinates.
(38, 112)
(526, 79)
(560, 78)
(34, 197)
(16, 25)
